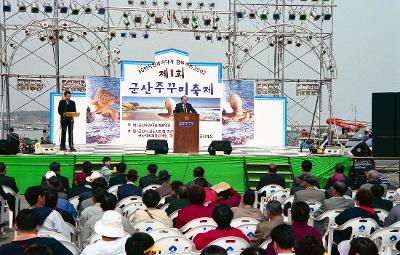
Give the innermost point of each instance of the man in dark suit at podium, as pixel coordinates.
(184, 106)
(66, 105)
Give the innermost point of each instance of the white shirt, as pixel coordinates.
(54, 222)
(89, 212)
(116, 247)
(155, 213)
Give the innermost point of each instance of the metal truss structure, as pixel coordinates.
(43, 44)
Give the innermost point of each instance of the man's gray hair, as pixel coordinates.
(373, 175)
(274, 207)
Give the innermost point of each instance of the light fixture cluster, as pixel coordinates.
(276, 14)
(179, 3)
(47, 6)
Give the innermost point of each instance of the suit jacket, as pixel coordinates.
(148, 180)
(271, 179)
(77, 190)
(116, 180)
(64, 181)
(63, 107)
(263, 231)
(128, 189)
(9, 182)
(309, 195)
(331, 204)
(179, 108)
(382, 204)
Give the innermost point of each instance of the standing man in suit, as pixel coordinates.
(67, 105)
(271, 178)
(9, 182)
(184, 106)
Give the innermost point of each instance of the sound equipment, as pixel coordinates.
(384, 114)
(157, 145)
(384, 146)
(361, 150)
(8, 148)
(220, 145)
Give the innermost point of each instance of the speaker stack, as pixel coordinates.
(386, 124)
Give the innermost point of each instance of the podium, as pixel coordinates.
(71, 114)
(186, 133)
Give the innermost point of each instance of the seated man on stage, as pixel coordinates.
(184, 106)
(66, 105)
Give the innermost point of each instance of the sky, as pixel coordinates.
(366, 51)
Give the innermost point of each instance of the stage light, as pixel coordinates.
(219, 37)
(185, 20)
(326, 15)
(116, 51)
(201, 4)
(216, 18)
(146, 35)
(277, 14)
(117, 60)
(112, 34)
(126, 22)
(137, 18)
(100, 8)
(309, 37)
(142, 3)
(70, 38)
(12, 45)
(42, 37)
(166, 3)
(155, 2)
(45, 24)
(189, 3)
(178, 3)
(240, 14)
(292, 14)
(215, 26)
(34, 7)
(197, 37)
(264, 14)
(48, 8)
(331, 64)
(133, 35)
(51, 37)
(123, 34)
(7, 6)
(87, 9)
(74, 7)
(209, 37)
(253, 14)
(289, 40)
(298, 42)
(63, 8)
(324, 51)
(84, 33)
(27, 32)
(158, 18)
(61, 35)
(206, 20)
(271, 42)
(315, 15)
(211, 4)
(21, 6)
(130, 2)
(65, 25)
(303, 15)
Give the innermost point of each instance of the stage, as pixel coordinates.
(29, 169)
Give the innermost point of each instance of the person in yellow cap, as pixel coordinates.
(140, 243)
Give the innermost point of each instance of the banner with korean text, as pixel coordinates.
(150, 91)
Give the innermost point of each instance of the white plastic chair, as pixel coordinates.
(55, 235)
(268, 189)
(162, 200)
(197, 230)
(173, 245)
(265, 244)
(198, 222)
(359, 227)
(188, 253)
(248, 230)
(390, 195)
(280, 195)
(74, 201)
(129, 200)
(164, 232)
(330, 214)
(382, 214)
(113, 189)
(243, 221)
(174, 215)
(132, 208)
(8, 190)
(71, 247)
(385, 237)
(148, 225)
(94, 238)
(164, 207)
(314, 206)
(395, 225)
(152, 186)
(290, 199)
(231, 244)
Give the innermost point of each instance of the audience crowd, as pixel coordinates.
(101, 219)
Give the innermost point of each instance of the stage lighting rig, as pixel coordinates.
(137, 18)
(70, 38)
(315, 15)
(48, 8)
(197, 37)
(303, 15)
(189, 4)
(41, 36)
(178, 3)
(206, 20)
(158, 19)
(292, 14)
(326, 15)
(74, 8)
(63, 8)
(87, 9)
(264, 14)
(34, 8)
(100, 8)
(146, 35)
(7, 6)
(240, 14)
(185, 19)
(277, 14)
(253, 13)
(21, 6)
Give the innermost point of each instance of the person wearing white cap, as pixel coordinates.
(112, 233)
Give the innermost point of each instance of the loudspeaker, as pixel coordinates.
(220, 145)
(159, 146)
(8, 148)
(384, 146)
(361, 150)
(384, 114)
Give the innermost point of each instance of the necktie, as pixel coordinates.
(184, 108)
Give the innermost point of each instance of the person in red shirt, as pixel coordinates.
(223, 216)
(195, 209)
(211, 195)
(225, 195)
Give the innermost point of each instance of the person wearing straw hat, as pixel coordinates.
(113, 236)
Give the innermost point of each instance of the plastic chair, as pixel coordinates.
(55, 235)
(198, 222)
(164, 232)
(94, 238)
(152, 186)
(132, 208)
(74, 201)
(280, 196)
(236, 223)
(330, 214)
(71, 247)
(268, 189)
(129, 200)
(248, 230)
(148, 225)
(395, 225)
(382, 214)
(231, 244)
(113, 189)
(174, 215)
(176, 244)
(390, 195)
(164, 207)
(197, 230)
(72, 230)
(8, 190)
(162, 201)
(290, 199)
(385, 237)
(359, 227)
(314, 206)
(265, 244)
